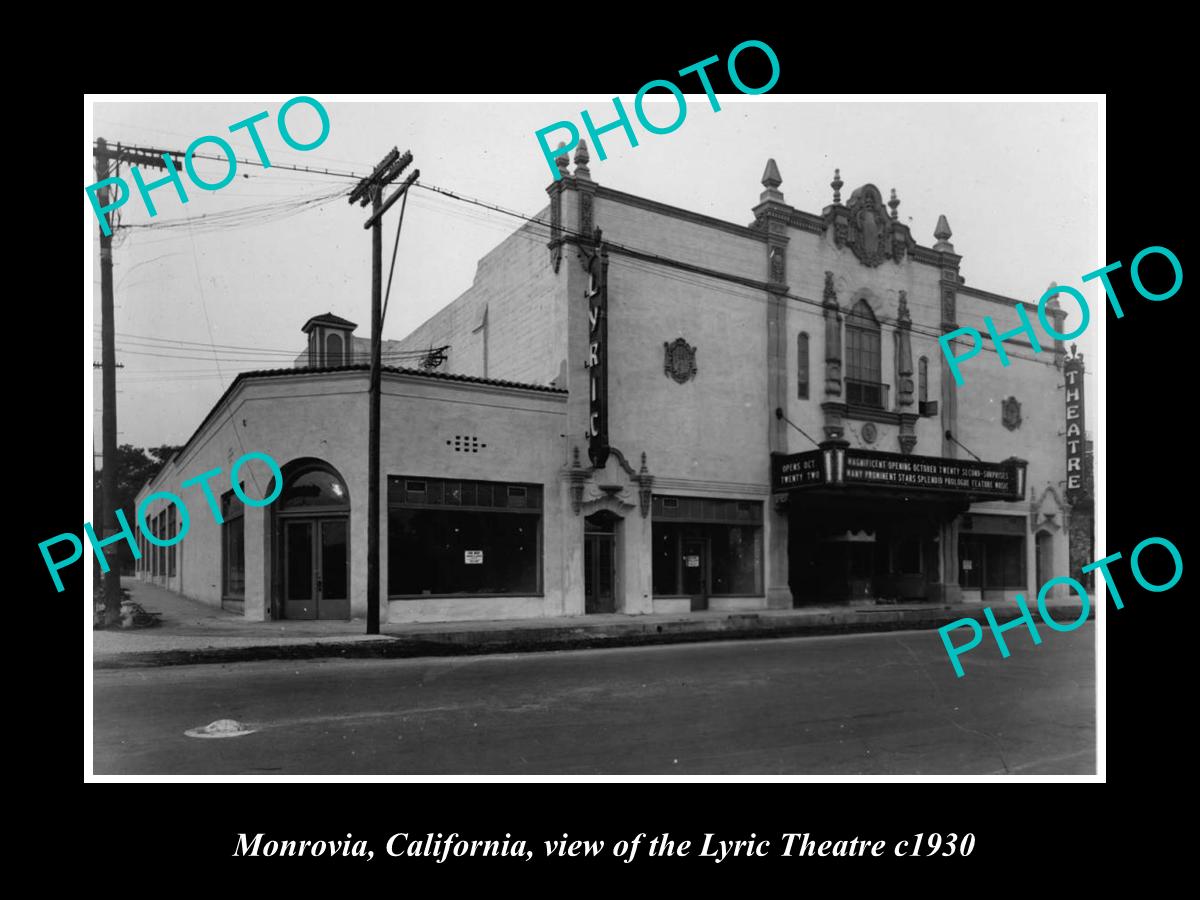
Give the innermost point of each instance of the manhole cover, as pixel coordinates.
(222, 728)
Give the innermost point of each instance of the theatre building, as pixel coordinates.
(637, 408)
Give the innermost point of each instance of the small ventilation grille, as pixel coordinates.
(465, 443)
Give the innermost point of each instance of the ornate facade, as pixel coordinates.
(654, 410)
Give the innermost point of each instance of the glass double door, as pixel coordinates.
(316, 568)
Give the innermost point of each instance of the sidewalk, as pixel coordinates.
(194, 633)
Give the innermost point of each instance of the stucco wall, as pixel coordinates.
(699, 431)
(324, 417)
(525, 326)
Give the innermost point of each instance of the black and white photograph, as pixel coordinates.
(695, 433)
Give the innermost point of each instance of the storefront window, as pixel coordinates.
(706, 547)
(451, 537)
(233, 547)
(992, 561)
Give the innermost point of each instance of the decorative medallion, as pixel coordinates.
(870, 230)
(1011, 413)
(679, 360)
(869, 433)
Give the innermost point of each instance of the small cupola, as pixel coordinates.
(329, 340)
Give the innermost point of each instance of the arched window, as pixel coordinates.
(802, 365)
(333, 349)
(313, 488)
(864, 360)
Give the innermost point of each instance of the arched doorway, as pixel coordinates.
(312, 542)
(1044, 559)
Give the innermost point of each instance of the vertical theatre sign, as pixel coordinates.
(596, 263)
(1073, 373)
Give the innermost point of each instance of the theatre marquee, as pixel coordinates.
(875, 469)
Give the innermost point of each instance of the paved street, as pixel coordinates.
(867, 704)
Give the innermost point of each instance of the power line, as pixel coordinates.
(127, 337)
(182, 134)
(278, 361)
(133, 346)
(254, 214)
(249, 162)
(233, 218)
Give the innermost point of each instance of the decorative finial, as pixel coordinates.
(581, 160)
(575, 463)
(903, 315)
(830, 293)
(836, 184)
(893, 204)
(1053, 292)
(643, 470)
(771, 177)
(942, 235)
(771, 180)
(562, 161)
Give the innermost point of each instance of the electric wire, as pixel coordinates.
(654, 268)
(266, 212)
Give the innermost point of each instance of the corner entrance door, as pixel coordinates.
(695, 571)
(316, 567)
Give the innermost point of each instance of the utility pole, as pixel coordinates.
(370, 190)
(107, 514)
(108, 362)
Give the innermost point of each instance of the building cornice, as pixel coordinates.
(996, 298)
(391, 372)
(607, 193)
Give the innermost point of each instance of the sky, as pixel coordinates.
(1018, 183)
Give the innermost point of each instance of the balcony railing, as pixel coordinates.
(871, 394)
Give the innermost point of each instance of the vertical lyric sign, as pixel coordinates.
(1073, 373)
(596, 263)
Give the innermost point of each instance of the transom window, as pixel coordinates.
(315, 487)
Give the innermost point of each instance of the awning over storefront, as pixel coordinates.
(893, 474)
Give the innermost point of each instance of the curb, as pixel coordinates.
(743, 626)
